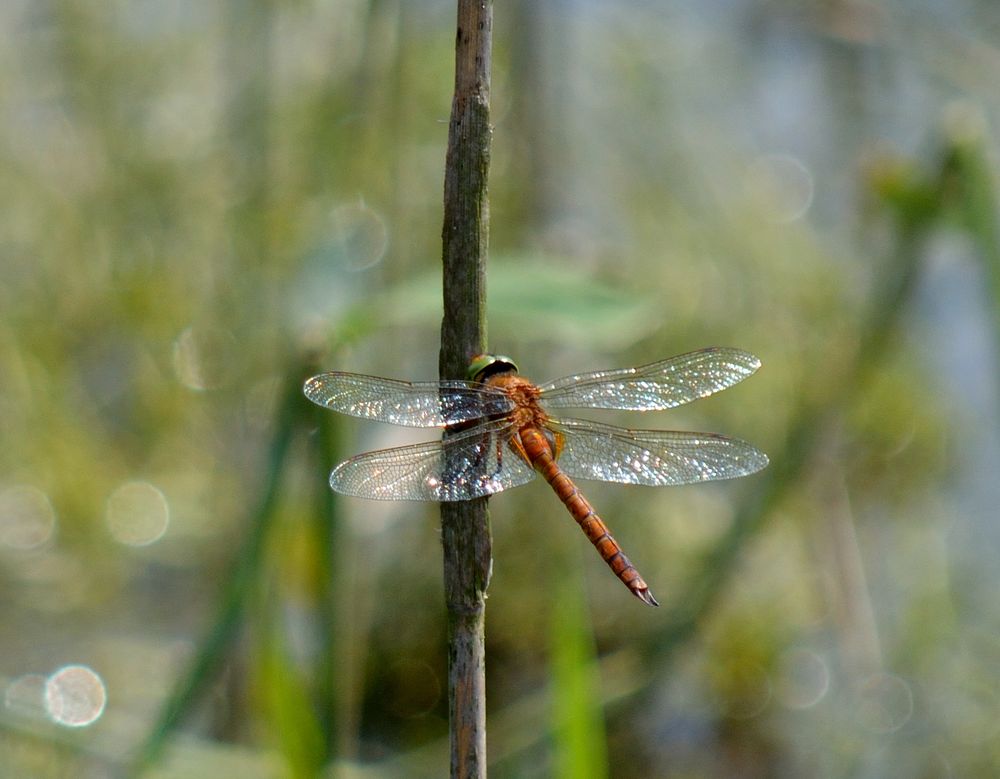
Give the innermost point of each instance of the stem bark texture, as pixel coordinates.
(465, 526)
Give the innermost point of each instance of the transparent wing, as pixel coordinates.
(654, 387)
(417, 404)
(470, 464)
(656, 458)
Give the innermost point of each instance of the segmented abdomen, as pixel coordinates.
(539, 452)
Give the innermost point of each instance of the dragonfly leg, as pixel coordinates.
(499, 445)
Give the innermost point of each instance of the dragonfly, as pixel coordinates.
(499, 432)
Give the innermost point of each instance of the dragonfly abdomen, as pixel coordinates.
(539, 452)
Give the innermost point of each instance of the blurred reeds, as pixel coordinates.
(203, 204)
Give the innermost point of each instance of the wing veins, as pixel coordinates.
(412, 404)
(652, 457)
(654, 387)
(465, 465)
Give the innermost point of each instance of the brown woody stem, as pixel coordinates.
(465, 526)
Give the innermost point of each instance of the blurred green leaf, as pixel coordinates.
(577, 711)
(287, 708)
(561, 302)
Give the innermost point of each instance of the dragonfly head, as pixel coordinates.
(485, 365)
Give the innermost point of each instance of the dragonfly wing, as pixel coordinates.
(471, 464)
(417, 404)
(656, 458)
(654, 387)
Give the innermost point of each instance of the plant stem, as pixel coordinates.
(465, 526)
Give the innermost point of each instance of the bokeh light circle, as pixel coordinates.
(25, 695)
(751, 691)
(358, 234)
(885, 703)
(137, 514)
(75, 696)
(203, 356)
(417, 688)
(27, 520)
(804, 679)
(783, 184)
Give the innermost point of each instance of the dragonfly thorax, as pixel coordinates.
(527, 411)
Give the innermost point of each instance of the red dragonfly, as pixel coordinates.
(498, 432)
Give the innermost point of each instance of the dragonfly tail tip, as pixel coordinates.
(646, 597)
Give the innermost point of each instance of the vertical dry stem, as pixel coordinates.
(465, 526)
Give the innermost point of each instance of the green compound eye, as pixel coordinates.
(484, 365)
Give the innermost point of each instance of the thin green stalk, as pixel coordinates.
(578, 733)
(331, 686)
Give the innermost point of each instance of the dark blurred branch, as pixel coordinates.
(465, 526)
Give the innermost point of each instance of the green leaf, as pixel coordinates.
(287, 708)
(577, 716)
(560, 302)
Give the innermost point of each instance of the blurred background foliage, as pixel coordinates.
(202, 203)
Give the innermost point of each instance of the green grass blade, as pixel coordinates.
(577, 713)
(286, 704)
(232, 602)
